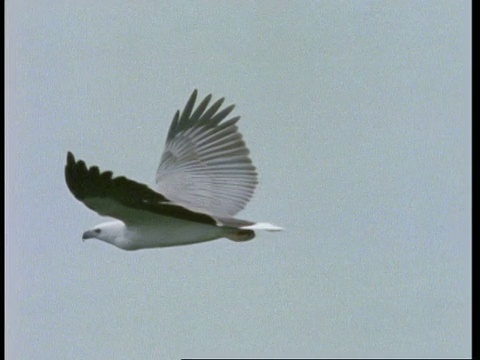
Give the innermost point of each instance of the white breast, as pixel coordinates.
(168, 231)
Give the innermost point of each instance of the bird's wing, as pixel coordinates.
(205, 164)
(122, 198)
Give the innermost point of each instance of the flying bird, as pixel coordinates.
(205, 177)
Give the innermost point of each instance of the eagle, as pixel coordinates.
(204, 179)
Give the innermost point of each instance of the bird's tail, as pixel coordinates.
(240, 235)
(245, 233)
(262, 226)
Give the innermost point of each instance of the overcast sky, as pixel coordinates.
(357, 115)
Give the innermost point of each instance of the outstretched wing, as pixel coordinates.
(205, 165)
(120, 197)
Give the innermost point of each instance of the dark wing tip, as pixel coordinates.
(201, 115)
(188, 107)
(70, 158)
(75, 173)
(87, 182)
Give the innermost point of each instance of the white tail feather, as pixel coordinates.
(262, 226)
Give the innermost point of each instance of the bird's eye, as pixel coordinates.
(97, 231)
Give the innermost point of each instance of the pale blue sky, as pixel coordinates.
(357, 115)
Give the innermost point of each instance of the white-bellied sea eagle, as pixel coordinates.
(205, 177)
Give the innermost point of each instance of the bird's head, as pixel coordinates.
(111, 232)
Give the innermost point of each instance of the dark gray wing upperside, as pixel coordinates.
(120, 197)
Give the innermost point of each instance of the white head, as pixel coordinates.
(112, 232)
